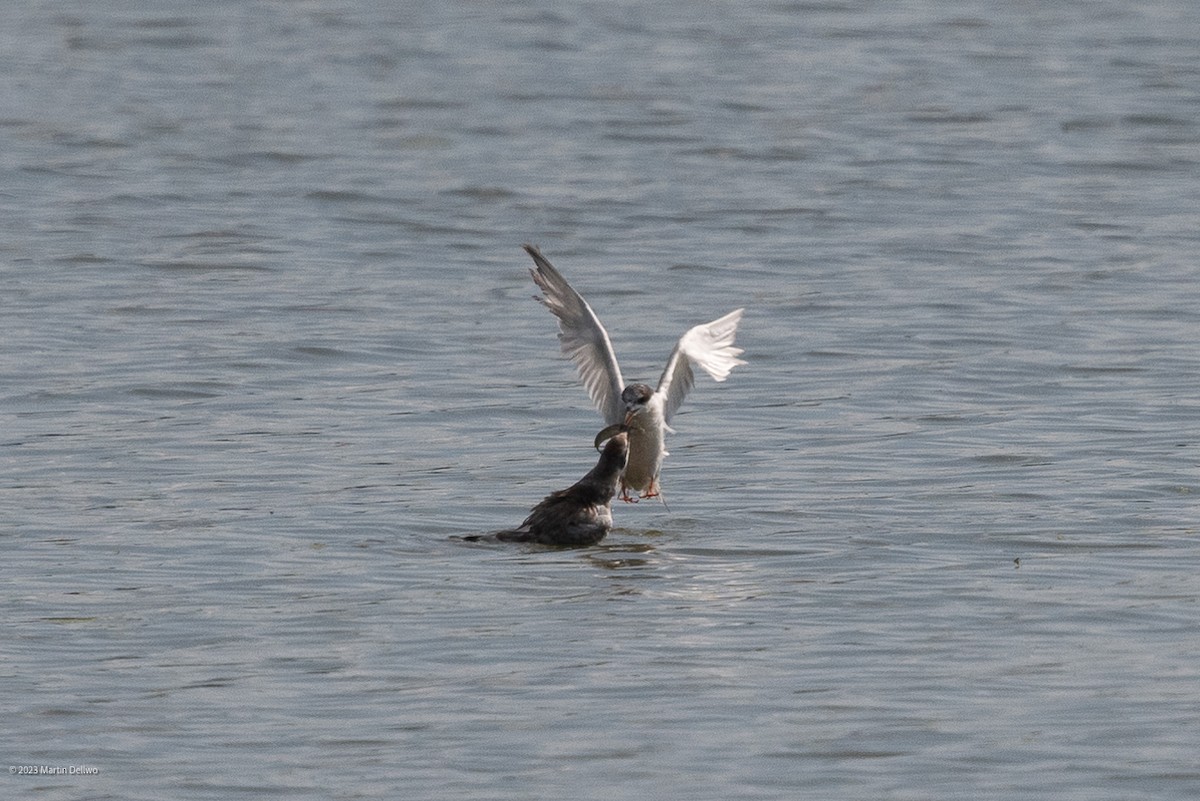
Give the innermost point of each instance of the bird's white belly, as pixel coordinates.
(596, 520)
(646, 454)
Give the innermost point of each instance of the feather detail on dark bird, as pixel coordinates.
(579, 515)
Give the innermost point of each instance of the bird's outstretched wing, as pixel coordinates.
(710, 346)
(582, 338)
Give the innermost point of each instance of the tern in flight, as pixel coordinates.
(643, 411)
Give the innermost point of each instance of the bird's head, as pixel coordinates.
(617, 450)
(617, 436)
(605, 477)
(635, 397)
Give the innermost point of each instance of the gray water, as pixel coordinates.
(268, 347)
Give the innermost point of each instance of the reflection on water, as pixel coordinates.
(621, 556)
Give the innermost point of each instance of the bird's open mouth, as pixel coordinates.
(607, 433)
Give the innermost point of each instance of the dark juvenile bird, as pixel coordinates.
(579, 515)
(642, 410)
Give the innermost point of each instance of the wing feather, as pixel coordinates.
(581, 337)
(710, 346)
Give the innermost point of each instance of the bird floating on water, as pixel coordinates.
(644, 412)
(581, 514)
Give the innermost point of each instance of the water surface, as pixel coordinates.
(269, 346)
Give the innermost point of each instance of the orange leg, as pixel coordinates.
(652, 490)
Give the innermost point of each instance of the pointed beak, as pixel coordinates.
(629, 416)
